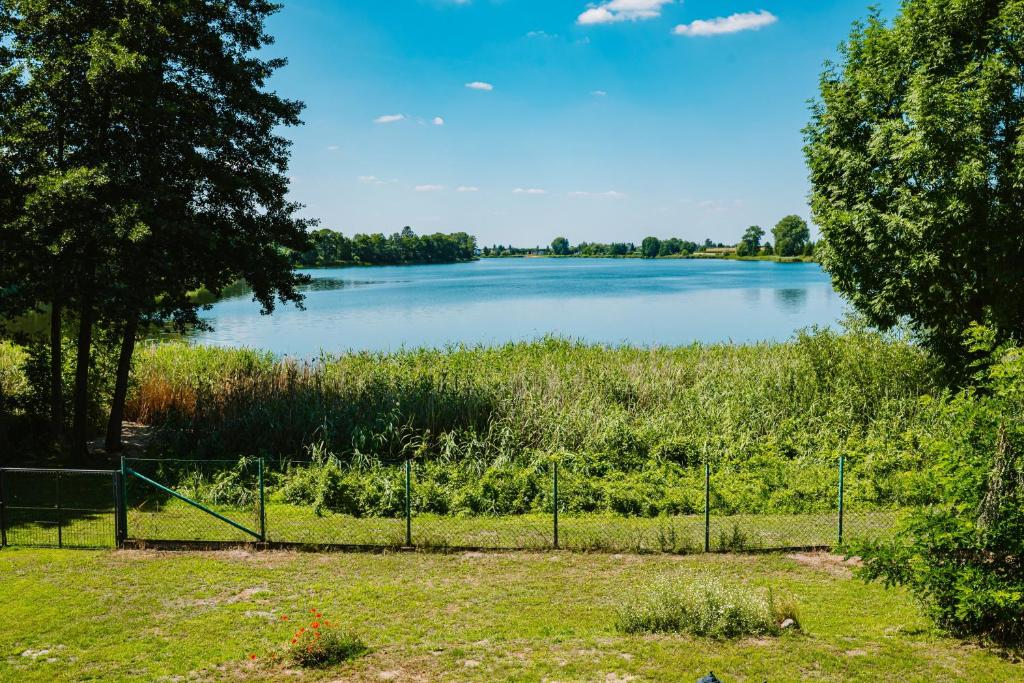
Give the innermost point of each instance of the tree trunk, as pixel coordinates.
(80, 421)
(124, 366)
(56, 370)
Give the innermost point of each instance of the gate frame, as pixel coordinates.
(260, 536)
(57, 472)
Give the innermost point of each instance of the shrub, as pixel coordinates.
(321, 643)
(704, 606)
(963, 558)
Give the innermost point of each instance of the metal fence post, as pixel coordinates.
(124, 500)
(707, 506)
(408, 502)
(118, 504)
(3, 512)
(60, 516)
(555, 501)
(842, 463)
(263, 505)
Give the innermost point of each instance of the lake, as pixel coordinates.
(613, 301)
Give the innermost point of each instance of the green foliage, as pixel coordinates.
(320, 644)
(750, 244)
(330, 248)
(703, 606)
(632, 427)
(560, 246)
(650, 247)
(962, 556)
(13, 381)
(915, 170)
(791, 235)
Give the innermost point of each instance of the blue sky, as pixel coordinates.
(521, 120)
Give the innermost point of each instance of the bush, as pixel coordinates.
(321, 644)
(704, 606)
(964, 557)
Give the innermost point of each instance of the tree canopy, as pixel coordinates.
(650, 247)
(331, 248)
(560, 246)
(791, 236)
(750, 243)
(146, 161)
(917, 170)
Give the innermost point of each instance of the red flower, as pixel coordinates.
(284, 617)
(316, 624)
(252, 656)
(294, 640)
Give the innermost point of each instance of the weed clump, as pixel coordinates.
(704, 606)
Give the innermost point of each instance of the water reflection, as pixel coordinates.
(330, 284)
(790, 300)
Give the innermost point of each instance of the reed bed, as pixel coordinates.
(631, 427)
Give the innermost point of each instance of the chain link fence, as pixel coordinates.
(193, 500)
(408, 503)
(59, 508)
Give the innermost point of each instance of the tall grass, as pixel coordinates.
(482, 421)
(704, 606)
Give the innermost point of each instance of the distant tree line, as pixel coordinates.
(331, 248)
(792, 238)
(650, 247)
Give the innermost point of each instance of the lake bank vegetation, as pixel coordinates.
(329, 248)
(792, 244)
(631, 427)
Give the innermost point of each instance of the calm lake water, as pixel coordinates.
(663, 302)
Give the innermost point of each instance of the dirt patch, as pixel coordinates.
(241, 596)
(836, 565)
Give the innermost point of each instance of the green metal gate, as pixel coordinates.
(193, 500)
(60, 508)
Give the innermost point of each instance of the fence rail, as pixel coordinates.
(226, 502)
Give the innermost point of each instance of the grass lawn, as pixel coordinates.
(176, 521)
(114, 615)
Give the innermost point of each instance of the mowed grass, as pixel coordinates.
(176, 521)
(148, 615)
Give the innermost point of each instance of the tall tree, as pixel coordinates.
(750, 243)
(916, 159)
(204, 166)
(791, 234)
(560, 246)
(181, 175)
(650, 247)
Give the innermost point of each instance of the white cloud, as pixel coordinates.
(615, 11)
(745, 21)
(610, 194)
(370, 180)
(429, 188)
(479, 85)
(438, 121)
(541, 34)
(598, 93)
(467, 188)
(389, 118)
(719, 205)
(333, 148)
(529, 190)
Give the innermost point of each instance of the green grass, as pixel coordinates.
(475, 617)
(176, 521)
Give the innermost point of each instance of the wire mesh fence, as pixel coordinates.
(328, 502)
(58, 507)
(193, 500)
